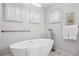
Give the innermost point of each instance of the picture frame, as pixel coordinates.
(12, 14)
(35, 17)
(54, 17)
(70, 18)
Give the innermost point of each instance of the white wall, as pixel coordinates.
(69, 46)
(37, 30)
(0, 25)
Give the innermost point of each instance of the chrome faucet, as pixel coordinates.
(51, 32)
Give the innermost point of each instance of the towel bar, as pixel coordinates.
(15, 31)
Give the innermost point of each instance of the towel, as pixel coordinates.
(73, 32)
(70, 32)
(65, 32)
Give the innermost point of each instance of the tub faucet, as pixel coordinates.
(51, 32)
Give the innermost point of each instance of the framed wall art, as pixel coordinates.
(35, 17)
(54, 17)
(70, 18)
(12, 14)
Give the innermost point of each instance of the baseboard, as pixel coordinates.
(8, 54)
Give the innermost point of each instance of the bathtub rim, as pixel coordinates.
(12, 45)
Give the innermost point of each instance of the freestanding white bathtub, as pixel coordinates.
(34, 47)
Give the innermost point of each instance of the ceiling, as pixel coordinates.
(46, 5)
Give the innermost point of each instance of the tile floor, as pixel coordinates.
(55, 53)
